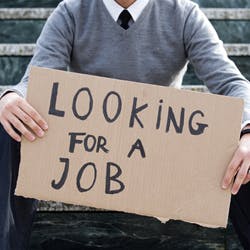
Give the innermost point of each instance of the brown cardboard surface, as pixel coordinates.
(179, 176)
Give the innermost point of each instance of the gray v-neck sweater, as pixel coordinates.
(82, 36)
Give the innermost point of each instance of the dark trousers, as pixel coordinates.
(16, 213)
(240, 215)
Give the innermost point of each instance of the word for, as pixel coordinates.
(89, 142)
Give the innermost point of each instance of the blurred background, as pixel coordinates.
(58, 226)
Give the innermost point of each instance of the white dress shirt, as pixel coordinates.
(135, 9)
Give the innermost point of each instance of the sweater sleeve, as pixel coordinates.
(53, 47)
(206, 53)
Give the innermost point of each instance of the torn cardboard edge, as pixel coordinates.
(160, 219)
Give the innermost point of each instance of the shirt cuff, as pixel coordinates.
(10, 90)
(247, 122)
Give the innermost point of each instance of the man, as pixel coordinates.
(138, 40)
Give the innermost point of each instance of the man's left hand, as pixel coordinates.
(238, 169)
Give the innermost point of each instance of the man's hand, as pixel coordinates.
(16, 112)
(238, 169)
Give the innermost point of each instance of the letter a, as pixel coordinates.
(138, 145)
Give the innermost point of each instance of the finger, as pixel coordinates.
(28, 109)
(8, 128)
(14, 121)
(241, 175)
(26, 119)
(231, 170)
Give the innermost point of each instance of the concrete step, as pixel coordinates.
(53, 3)
(43, 13)
(113, 231)
(27, 49)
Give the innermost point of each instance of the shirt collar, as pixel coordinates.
(135, 9)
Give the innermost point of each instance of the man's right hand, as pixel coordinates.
(16, 112)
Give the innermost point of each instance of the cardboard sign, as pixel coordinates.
(133, 147)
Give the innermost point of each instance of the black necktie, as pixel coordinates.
(124, 18)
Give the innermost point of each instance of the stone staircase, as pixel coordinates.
(62, 226)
